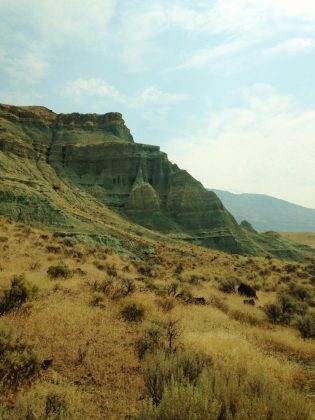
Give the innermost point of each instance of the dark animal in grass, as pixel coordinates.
(249, 302)
(199, 300)
(246, 290)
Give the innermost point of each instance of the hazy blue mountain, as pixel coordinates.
(268, 213)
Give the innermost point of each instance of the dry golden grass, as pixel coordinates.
(303, 238)
(93, 349)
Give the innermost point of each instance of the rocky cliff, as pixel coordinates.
(75, 171)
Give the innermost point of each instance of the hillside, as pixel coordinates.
(300, 237)
(83, 174)
(268, 213)
(85, 332)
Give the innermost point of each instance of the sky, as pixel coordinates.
(224, 87)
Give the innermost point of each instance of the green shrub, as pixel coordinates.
(54, 401)
(19, 362)
(273, 312)
(57, 271)
(106, 286)
(124, 287)
(166, 303)
(228, 285)
(306, 326)
(97, 299)
(53, 249)
(300, 292)
(152, 339)
(19, 293)
(158, 370)
(284, 310)
(111, 270)
(172, 288)
(132, 312)
(217, 394)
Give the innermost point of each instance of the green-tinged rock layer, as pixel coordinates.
(78, 172)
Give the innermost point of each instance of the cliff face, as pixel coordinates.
(54, 166)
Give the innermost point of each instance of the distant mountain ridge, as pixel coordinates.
(265, 213)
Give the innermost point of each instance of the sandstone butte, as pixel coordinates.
(84, 174)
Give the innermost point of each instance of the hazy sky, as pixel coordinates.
(225, 87)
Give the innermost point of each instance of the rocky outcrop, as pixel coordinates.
(52, 164)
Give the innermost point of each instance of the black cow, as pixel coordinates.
(246, 290)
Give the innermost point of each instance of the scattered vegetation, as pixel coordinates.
(57, 271)
(19, 362)
(19, 293)
(169, 325)
(132, 312)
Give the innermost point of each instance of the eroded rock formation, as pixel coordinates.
(49, 159)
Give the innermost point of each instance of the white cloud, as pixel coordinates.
(151, 95)
(32, 31)
(29, 66)
(202, 57)
(265, 146)
(58, 21)
(82, 89)
(293, 45)
(237, 24)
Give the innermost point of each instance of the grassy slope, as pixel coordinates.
(93, 348)
(303, 238)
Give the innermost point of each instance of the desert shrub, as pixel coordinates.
(290, 268)
(59, 234)
(306, 326)
(285, 309)
(151, 340)
(53, 249)
(106, 286)
(111, 270)
(19, 362)
(97, 299)
(68, 242)
(223, 393)
(245, 317)
(195, 280)
(115, 289)
(273, 312)
(300, 292)
(154, 287)
(166, 303)
(99, 265)
(127, 287)
(228, 285)
(172, 287)
(145, 269)
(132, 312)
(19, 293)
(185, 294)
(158, 370)
(57, 271)
(290, 307)
(218, 303)
(54, 401)
(80, 272)
(179, 268)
